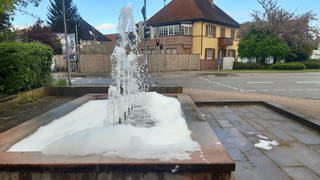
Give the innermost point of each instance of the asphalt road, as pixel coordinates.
(304, 85)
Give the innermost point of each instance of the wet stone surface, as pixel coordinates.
(13, 114)
(239, 128)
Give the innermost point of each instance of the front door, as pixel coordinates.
(222, 53)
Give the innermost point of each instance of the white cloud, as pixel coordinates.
(103, 27)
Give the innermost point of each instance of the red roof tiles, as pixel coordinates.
(191, 10)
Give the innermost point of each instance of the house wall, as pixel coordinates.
(201, 41)
(180, 43)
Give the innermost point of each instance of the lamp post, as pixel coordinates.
(66, 38)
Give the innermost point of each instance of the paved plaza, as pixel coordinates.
(240, 127)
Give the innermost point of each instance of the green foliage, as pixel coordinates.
(5, 21)
(288, 66)
(55, 16)
(26, 99)
(11, 5)
(42, 34)
(7, 36)
(247, 66)
(23, 66)
(300, 53)
(260, 46)
(61, 82)
(312, 64)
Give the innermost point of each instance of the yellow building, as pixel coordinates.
(197, 27)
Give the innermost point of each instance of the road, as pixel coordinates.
(303, 85)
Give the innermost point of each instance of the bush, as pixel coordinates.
(23, 66)
(247, 66)
(288, 66)
(312, 64)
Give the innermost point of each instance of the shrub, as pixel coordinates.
(312, 64)
(247, 66)
(288, 66)
(23, 66)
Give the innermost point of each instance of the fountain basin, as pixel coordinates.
(212, 162)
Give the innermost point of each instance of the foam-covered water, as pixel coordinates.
(83, 132)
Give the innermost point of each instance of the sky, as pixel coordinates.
(103, 14)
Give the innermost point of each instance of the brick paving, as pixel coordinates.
(238, 127)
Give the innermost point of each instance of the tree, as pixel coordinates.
(5, 21)
(260, 46)
(294, 29)
(55, 16)
(8, 6)
(41, 33)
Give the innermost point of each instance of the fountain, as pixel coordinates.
(133, 133)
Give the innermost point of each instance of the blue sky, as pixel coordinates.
(103, 14)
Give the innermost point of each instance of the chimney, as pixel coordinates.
(211, 2)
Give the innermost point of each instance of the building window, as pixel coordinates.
(211, 31)
(233, 34)
(176, 29)
(174, 51)
(209, 53)
(232, 53)
(186, 29)
(222, 32)
(170, 30)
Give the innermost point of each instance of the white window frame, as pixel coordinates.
(209, 54)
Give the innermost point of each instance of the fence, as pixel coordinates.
(101, 63)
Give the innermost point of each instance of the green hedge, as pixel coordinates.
(23, 66)
(247, 66)
(288, 66)
(312, 64)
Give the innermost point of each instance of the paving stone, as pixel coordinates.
(234, 132)
(283, 156)
(232, 117)
(282, 135)
(236, 155)
(253, 152)
(315, 147)
(246, 147)
(298, 154)
(225, 123)
(306, 138)
(264, 123)
(245, 171)
(214, 124)
(267, 168)
(306, 156)
(300, 173)
(257, 126)
(222, 135)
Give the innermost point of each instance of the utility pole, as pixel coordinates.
(145, 67)
(66, 38)
(77, 42)
(144, 27)
(164, 3)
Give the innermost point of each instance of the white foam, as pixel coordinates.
(83, 132)
(266, 145)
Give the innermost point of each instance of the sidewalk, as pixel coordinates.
(307, 107)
